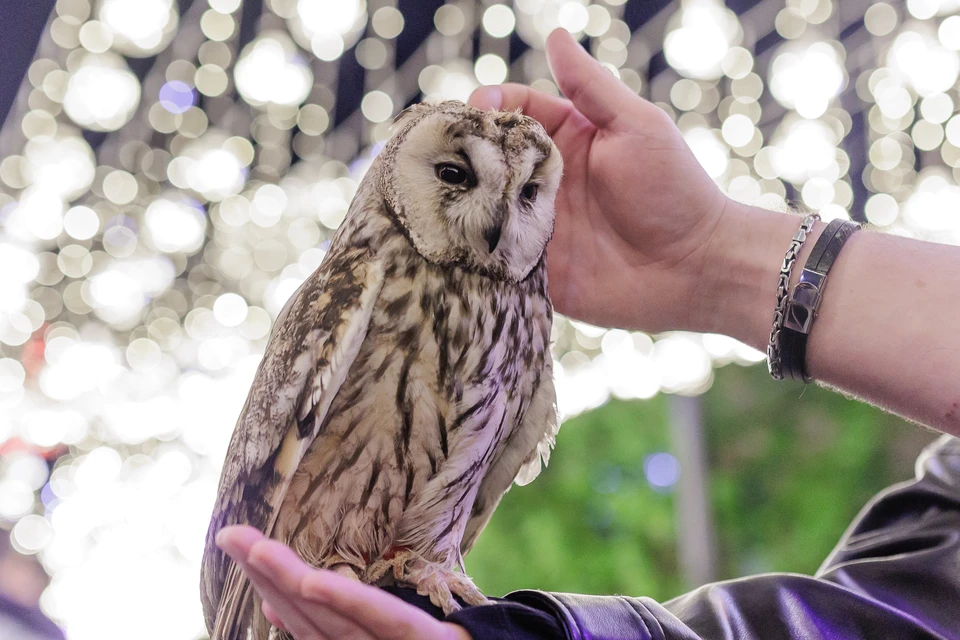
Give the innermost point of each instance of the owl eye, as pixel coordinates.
(452, 174)
(529, 191)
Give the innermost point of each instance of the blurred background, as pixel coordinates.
(171, 171)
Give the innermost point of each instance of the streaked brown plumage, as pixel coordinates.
(408, 381)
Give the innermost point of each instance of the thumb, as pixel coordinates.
(594, 91)
(485, 98)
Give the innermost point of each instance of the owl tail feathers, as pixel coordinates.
(235, 609)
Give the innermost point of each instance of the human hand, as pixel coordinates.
(636, 213)
(313, 604)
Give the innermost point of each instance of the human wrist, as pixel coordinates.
(745, 256)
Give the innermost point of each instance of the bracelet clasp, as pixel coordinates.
(804, 301)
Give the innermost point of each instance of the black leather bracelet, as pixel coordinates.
(805, 298)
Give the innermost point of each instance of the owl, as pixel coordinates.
(408, 381)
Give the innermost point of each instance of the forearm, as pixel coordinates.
(887, 330)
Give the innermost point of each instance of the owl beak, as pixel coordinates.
(492, 236)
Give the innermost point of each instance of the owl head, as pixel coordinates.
(473, 189)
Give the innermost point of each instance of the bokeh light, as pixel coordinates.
(102, 93)
(807, 79)
(177, 96)
(328, 27)
(271, 71)
(535, 19)
(175, 225)
(499, 21)
(140, 28)
(490, 69)
(701, 36)
(61, 166)
(923, 62)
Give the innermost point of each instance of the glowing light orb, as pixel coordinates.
(499, 21)
(662, 470)
(141, 28)
(102, 93)
(933, 205)
(325, 17)
(702, 32)
(230, 309)
(882, 209)
(270, 70)
(803, 149)
(535, 19)
(328, 27)
(63, 166)
(454, 80)
(212, 166)
(217, 172)
(807, 79)
(737, 130)
(176, 224)
(923, 62)
(177, 96)
(38, 215)
(377, 106)
(490, 69)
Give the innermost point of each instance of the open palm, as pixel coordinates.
(635, 211)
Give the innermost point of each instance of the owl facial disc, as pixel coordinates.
(471, 188)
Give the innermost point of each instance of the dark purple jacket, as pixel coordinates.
(894, 575)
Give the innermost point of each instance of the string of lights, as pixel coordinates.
(171, 172)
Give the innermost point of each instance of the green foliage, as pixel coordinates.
(590, 523)
(789, 467)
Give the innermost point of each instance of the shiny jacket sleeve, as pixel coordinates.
(895, 574)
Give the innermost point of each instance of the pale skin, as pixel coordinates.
(645, 240)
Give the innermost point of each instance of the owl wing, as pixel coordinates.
(520, 458)
(314, 343)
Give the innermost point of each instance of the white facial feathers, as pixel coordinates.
(473, 189)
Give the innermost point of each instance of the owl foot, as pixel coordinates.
(431, 579)
(442, 584)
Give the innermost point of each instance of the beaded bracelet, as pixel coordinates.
(783, 285)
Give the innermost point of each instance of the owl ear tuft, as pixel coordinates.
(411, 113)
(416, 111)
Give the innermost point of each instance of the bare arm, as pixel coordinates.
(645, 240)
(888, 330)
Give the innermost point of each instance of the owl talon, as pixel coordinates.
(430, 579)
(441, 584)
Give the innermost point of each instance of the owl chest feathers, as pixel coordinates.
(448, 368)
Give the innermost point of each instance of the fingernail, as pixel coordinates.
(564, 34)
(222, 541)
(487, 98)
